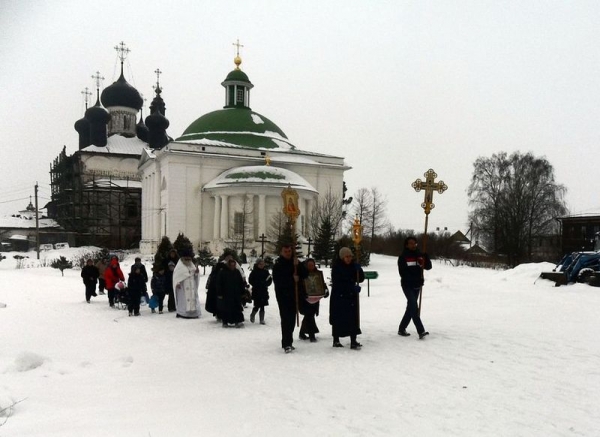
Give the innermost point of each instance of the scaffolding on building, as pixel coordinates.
(101, 208)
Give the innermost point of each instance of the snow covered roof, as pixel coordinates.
(118, 144)
(260, 175)
(24, 222)
(18, 237)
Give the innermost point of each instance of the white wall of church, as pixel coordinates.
(190, 210)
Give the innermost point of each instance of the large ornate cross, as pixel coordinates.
(429, 186)
(122, 51)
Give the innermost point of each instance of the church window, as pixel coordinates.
(240, 95)
(238, 223)
(125, 122)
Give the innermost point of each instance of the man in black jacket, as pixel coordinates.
(410, 266)
(287, 271)
(90, 274)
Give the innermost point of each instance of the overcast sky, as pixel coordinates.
(395, 87)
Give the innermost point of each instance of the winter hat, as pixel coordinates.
(344, 251)
(259, 260)
(187, 252)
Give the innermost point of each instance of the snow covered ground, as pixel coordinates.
(506, 357)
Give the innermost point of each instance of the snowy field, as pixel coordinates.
(506, 357)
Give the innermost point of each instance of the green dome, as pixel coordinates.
(238, 76)
(239, 127)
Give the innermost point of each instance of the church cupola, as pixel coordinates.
(158, 104)
(122, 100)
(98, 117)
(237, 85)
(156, 122)
(141, 130)
(82, 126)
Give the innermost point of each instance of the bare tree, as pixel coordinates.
(362, 208)
(278, 224)
(515, 199)
(378, 221)
(241, 228)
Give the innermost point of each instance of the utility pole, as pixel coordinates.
(37, 222)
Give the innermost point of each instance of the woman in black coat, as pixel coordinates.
(343, 309)
(260, 279)
(230, 287)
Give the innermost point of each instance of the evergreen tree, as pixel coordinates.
(61, 263)
(183, 244)
(286, 238)
(163, 250)
(205, 258)
(323, 249)
(103, 254)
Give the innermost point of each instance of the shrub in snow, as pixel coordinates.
(61, 263)
(20, 261)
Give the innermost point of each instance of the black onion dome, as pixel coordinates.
(158, 104)
(97, 114)
(120, 93)
(141, 130)
(157, 121)
(82, 125)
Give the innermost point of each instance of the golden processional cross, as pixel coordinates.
(429, 186)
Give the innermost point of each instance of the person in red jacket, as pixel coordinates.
(112, 275)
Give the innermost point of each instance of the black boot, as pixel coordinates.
(262, 316)
(253, 315)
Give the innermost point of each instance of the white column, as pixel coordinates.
(224, 233)
(261, 214)
(250, 209)
(216, 218)
(148, 205)
(301, 217)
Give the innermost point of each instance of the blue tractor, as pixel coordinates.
(576, 267)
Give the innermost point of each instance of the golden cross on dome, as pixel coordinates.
(238, 45)
(237, 60)
(429, 186)
(122, 51)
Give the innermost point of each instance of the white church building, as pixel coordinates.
(227, 171)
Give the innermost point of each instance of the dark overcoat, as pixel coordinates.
(230, 287)
(283, 278)
(343, 307)
(260, 280)
(211, 288)
(90, 274)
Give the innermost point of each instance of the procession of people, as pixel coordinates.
(299, 288)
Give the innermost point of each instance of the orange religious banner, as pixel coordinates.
(290, 203)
